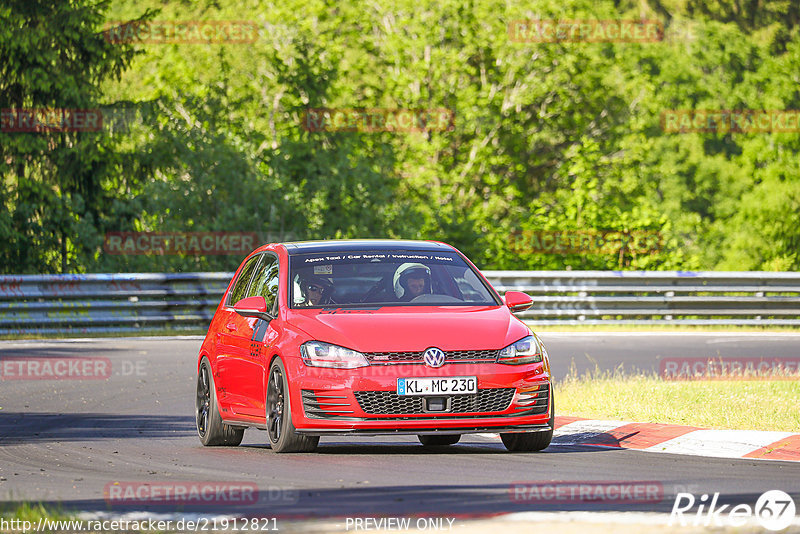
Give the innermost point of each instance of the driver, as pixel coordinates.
(412, 280)
(316, 290)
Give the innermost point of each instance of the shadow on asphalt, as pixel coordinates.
(367, 448)
(53, 351)
(32, 427)
(404, 499)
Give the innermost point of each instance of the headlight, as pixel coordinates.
(319, 354)
(526, 350)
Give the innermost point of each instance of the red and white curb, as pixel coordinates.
(678, 439)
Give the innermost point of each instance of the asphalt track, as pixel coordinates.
(66, 441)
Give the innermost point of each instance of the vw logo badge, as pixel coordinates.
(434, 357)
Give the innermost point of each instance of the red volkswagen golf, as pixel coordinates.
(370, 337)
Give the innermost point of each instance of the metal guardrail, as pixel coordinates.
(656, 297)
(91, 303)
(41, 304)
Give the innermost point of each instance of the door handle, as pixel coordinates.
(231, 327)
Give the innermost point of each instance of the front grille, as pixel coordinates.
(390, 403)
(378, 358)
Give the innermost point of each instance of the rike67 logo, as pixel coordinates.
(774, 510)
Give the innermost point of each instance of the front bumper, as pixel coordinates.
(424, 430)
(332, 401)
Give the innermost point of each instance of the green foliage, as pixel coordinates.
(546, 136)
(56, 185)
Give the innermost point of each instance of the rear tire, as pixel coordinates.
(283, 436)
(532, 441)
(428, 440)
(210, 428)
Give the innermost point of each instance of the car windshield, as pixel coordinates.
(385, 278)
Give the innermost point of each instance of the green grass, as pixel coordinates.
(31, 511)
(750, 403)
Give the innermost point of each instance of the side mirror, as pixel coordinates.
(518, 301)
(253, 307)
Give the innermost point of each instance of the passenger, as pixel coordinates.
(412, 280)
(316, 290)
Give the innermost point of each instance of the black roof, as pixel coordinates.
(353, 245)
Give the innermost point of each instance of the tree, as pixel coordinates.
(57, 181)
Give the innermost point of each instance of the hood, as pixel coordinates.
(412, 328)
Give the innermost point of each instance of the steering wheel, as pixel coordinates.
(376, 288)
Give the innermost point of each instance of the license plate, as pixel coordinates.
(451, 385)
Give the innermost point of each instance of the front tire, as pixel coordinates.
(210, 428)
(532, 441)
(283, 436)
(428, 440)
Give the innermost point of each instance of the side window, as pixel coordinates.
(240, 286)
(265, 282)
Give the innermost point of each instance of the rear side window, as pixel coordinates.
(240, 286)
(265, 282)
